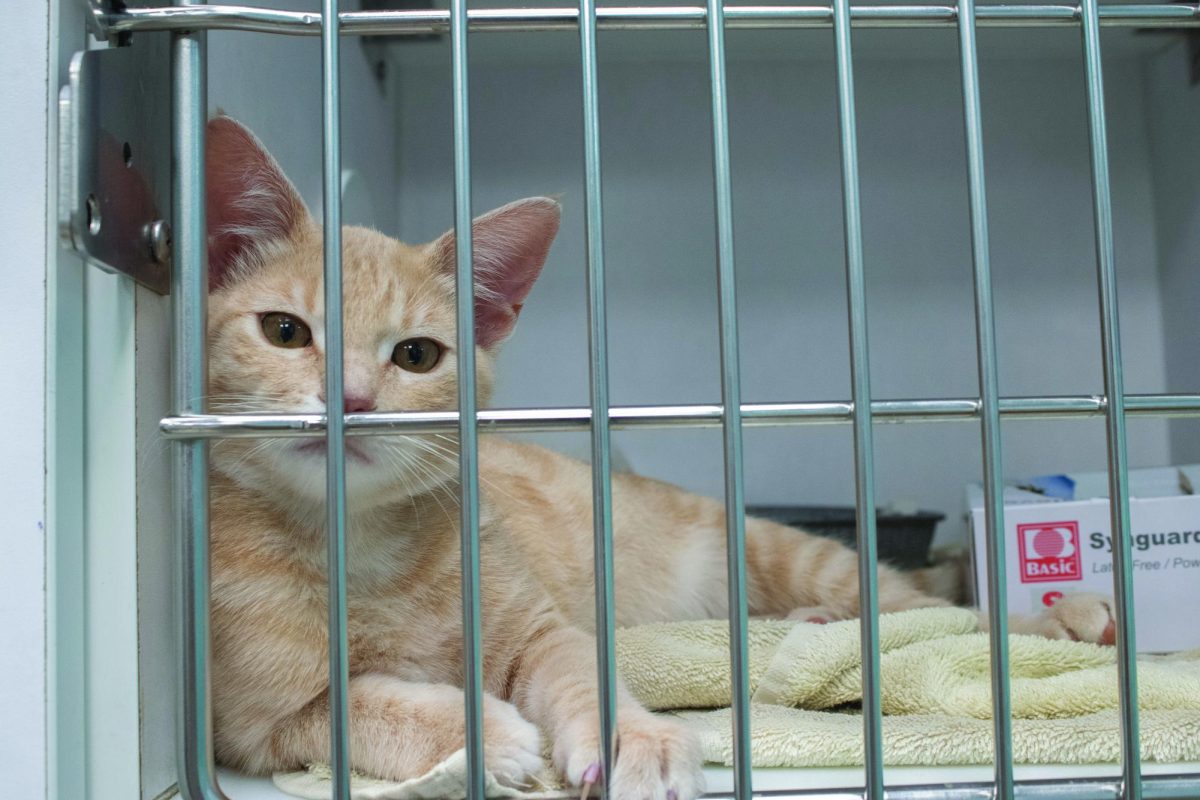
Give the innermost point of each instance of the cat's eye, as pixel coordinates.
(284, 330)
(417, 355)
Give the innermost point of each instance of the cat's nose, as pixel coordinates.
(358, 404)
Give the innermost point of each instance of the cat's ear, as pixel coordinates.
(510, 246)
(250, 201)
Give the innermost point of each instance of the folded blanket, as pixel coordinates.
(792, 737)
(936, 695)
(446, 781)
(933, 661)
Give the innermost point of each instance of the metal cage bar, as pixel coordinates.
(335, 439)
(468, 443)
(427, 21)
(731, 423)
(1114, 388)
(215, 426)
(602, 525)
(989, 400)
(860, 391)
(189, 367)
(191, 427)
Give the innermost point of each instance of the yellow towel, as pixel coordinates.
(936, 692)
(933, 661)
(936, 695)
(446, 781)
(791, 737)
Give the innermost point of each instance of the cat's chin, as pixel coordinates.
(292, 475)
(316, 448)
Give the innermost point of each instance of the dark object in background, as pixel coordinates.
(375, 48)
(903, 538)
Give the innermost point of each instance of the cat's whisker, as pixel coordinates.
(438, 500)
(440, 457)
(435, 488)
(434, 478)
(431, 483)
(245, 403)
(154, 446)
(258, 447)
(398, 459)
(249, 455)
(451, 458)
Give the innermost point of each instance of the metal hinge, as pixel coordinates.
(114, 159)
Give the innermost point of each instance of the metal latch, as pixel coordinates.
(115, 159)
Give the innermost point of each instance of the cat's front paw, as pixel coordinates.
(410, 732)
(1083, 617)
(512, 746)
(657, 759)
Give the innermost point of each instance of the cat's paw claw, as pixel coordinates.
(657, 759)
(1083, 617)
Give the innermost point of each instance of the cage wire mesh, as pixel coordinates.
(193, 428)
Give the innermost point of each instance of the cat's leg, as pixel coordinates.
(1082, 617)
(796, 575)
(400, 730)
(554, 684)
(800, 576)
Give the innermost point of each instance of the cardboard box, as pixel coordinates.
(1057, 541)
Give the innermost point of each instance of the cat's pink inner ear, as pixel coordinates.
(250, 201)
(510, 246)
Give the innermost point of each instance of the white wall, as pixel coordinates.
(24, 65)
(660, 238)
(273, 85)
(1174, 132)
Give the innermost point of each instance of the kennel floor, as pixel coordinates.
(720, 779)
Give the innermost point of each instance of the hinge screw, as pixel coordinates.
(158, 235)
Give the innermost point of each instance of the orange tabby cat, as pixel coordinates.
(268, 540)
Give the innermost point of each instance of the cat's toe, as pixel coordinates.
(512, 744)
(1083, 617)
(658, 759)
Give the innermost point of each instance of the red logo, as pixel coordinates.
(1049, 552)
(1051, 597)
